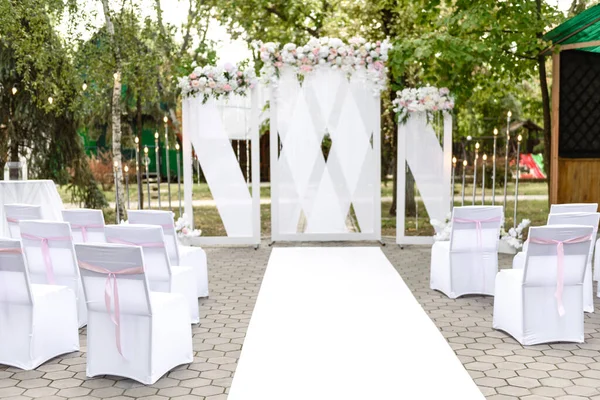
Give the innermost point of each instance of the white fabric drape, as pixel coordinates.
(428, 162)
(210, 127)
(42, 193)
(314, 195)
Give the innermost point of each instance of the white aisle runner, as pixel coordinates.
(340, 323)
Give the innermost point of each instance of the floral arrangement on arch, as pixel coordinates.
(210, 81)
(357, 54)
(426, 99)
(514, 236)
(183, 228)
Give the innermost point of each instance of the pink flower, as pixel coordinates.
(378, 43)
(228, 67)
(195, 83)
(279, 64)
(184, 231)
(316, 52)
(193, 75)
(306, 68)
(211, 84)
(369, 59)
(227, 87)
(378, 65)
(240, 73)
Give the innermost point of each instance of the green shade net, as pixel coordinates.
(584, 27)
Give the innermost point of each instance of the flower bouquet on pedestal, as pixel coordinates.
(183, 228)
(512, 241)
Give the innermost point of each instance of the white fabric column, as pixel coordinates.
(312, 197)
(430, 164)
(209, 127)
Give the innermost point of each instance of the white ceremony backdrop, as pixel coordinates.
(319, 198)
(209, 128)
(428, 155)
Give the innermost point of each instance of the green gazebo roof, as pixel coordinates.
(584, 27)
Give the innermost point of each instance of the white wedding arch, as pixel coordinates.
(426, 149)
(325, 139)
(220, 104)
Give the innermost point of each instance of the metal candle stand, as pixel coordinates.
(519, 138)
(179, 178)
(475, 171)
(147, 165)
(494, 169)
(508, 115)
(156, 151)
(166, 120)
(483, 179)
(116, 169)
(126, 169)
(137, 174)
(462, 203)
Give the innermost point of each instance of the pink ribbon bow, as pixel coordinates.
(46, 252)
(84, 229)
(560, 271)
(478, 226)
(143, 244)
(12, 220)
(112, 275)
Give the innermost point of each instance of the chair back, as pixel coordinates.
(102, 266)
(14, 279)
(16, 212)
(163, 219)
(542, 256)
(87, 225)
(574, 207)
(152, 241)
(475, 228)
(49, 250)
(577, 218)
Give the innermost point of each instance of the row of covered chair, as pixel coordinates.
(137, 305)
(87, 226)
(543, 298)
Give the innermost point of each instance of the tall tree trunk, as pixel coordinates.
(140, 128)
(116, 113)
(545, 105)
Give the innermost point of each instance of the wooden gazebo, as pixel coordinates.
(575, 145)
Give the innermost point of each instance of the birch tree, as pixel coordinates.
(116, 111)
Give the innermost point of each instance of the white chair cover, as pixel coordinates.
(468, 263)
(37, 322)
(51, 260)
(162, 277)
(143, 334)
(576, 218)
(573, 207)
(528, 300)
(178, 255)
(16, 212)
(87, 225)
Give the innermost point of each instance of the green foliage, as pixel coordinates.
(33, 60)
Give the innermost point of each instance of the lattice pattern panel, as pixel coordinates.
(327, 174)
(579, 105)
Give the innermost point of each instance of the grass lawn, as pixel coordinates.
(202, 192)
(208, 219)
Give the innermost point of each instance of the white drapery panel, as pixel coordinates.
(319, 198)
(430, 164)
(209, 128)
(42, 193)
